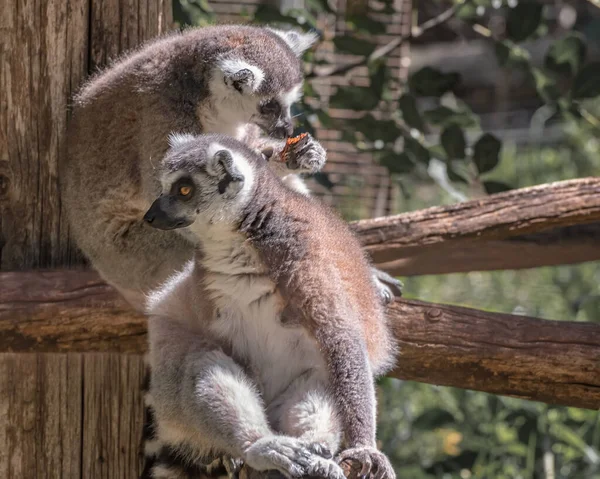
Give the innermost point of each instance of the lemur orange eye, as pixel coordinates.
(185, 190)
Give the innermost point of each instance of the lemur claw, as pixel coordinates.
(374, 464)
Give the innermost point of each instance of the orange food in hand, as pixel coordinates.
(289, 143)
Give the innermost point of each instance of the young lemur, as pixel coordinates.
(265, 346)
(222, 79)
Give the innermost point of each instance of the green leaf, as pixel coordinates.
(453, 141)
(270, 14)
(486, 153)
(566, 55)
(455, 175)
(492, 187)
(416, 151)
(509, 54)
(396, 163)
(587, 82)
(363, 23)
(378, 75)
(353, 45)
(354, 98)
(374, 129)
(410, 112)
(545, 85)
(523, 20)
(444, 116)
(429, 81)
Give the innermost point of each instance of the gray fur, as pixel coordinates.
(281, 309)
(121, 121)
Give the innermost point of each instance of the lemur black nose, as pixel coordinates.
(148, 218)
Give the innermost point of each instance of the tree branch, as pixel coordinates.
(551, 361)
(416, 32)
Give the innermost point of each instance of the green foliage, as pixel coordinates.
(486, 153)
(523, 20)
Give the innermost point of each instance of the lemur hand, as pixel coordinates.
(303, 154)
(292, 457)
(387, 285)
(375, 465)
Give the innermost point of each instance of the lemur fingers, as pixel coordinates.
(375, 465)
(387, 286)
(305, 156)
(291, 456)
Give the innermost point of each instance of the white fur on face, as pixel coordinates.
(292, 96)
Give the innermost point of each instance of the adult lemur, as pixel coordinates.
(265, 346)
(220, 79)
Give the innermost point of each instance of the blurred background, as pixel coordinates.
(433, 102)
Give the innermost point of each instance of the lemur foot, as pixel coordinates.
(233, 466)
(306, 155)
(375, 465)
(292, 457)
(387, 286)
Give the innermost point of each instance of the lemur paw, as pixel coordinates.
(290, 456)
(387, 286)
(233, 466)
(374, 464)
(305, 156)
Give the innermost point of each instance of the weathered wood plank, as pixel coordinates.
(552, 361)
(113, 416)
(45, 55)
(40, 415)
(496, 217)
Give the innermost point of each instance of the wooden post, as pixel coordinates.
(48, 48)
(75, 415)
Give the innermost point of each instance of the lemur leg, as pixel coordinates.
(205, 403)
(306, 410)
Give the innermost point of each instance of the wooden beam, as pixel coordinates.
(570, 245)
(551, 361)
(493, 218)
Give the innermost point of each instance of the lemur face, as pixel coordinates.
(203, 179)
(258, 83)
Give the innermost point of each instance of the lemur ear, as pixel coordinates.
(241, 76)
(299, 42)
(231, 179)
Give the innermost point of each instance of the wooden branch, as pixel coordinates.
(552, 361)
(496, 217)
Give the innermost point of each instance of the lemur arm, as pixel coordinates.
(308, 156)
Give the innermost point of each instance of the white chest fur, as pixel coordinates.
(249, 319)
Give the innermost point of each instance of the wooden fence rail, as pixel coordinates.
(555, 223)
(552, 361)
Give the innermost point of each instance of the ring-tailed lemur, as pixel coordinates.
(221, 79)
(265, 346)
